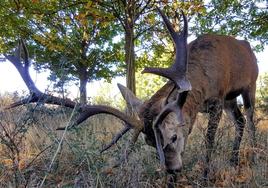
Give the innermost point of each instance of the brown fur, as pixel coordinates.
(219, 69)
(226, 65)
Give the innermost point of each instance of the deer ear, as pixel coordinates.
(130, 98)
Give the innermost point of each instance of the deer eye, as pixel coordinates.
(174, 138)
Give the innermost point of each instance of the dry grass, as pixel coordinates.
(30, 141)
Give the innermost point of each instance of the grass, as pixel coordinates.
(29, 142)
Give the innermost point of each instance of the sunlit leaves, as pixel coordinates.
(244, 19)
(190, 7)
(148, 84)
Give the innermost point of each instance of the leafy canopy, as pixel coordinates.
(246, 19)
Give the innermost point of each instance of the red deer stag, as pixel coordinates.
(207, 76)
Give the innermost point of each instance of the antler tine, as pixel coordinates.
(185, 25)
(177, 76)
(90, 110)
(116, 138)
(35, 94)
(168, 24)
(130, 122)
(177, 72)
(18, 103)
(184, 32)
(43, 98)
(181, 47)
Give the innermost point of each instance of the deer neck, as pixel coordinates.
(192, 106)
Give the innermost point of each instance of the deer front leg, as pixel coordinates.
(215, 111)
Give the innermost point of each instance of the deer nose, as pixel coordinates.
(174, 138)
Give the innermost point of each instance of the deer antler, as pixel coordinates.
(130, 122)
(176, 73)
(22, 63)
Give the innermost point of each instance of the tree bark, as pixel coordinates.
(83, 73)
(83, 79)
(130, 60)
(129, 47)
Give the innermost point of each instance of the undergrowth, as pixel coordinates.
(31, 154)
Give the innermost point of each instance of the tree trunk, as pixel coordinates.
(130, 61)
(129, 47)
(83, 78)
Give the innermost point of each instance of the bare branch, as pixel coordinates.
(142, 9)
(144, 31)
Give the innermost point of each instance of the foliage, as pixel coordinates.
(132, 16)
(105, 94)
(73, 39)
(86, 40)
(68, 37)
(78, 36)
(147, 85)
(246, 18)
(61, 83)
